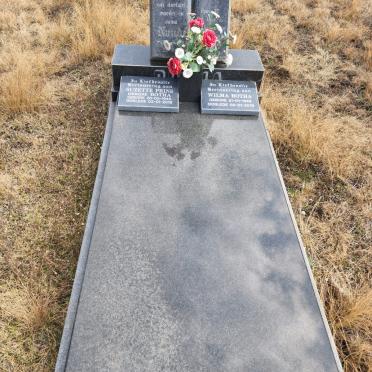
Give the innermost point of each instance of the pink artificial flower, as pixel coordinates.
(197, 22)
(174, 66)
(209, 38)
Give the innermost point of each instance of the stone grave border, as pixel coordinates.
(69, 324)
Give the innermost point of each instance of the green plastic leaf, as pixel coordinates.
(194, 67)
(188, 56)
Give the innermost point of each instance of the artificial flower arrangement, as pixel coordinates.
(200, 47)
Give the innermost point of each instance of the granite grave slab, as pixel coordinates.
(168, 21)
(140, 93)
(227, 97)
(194, 260)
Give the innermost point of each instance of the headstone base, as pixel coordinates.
(135, 60)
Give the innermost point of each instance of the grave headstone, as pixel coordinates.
(168, 22)
(228, 97)
(222, 7)
(140, 93)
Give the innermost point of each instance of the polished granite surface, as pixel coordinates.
(194, 263)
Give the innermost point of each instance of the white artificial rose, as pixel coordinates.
(214, 60)
(215, 14)
(195, 30)
(187, 73)
(179, 53)
(199, 60)
(229, 59)
(219, 28)
(167, 45)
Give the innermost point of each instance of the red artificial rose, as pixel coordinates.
(209, 38)
(198, 22)
(174, 66)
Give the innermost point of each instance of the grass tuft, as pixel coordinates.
(244, 6)
(95, 31)
(23, 88)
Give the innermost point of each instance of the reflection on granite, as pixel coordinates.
(186, 145)
(191, 132)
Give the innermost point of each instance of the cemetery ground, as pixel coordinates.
(54, 92)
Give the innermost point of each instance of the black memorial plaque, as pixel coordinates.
(222, 7)
(228, 97)
(169, 20)
(141, 93)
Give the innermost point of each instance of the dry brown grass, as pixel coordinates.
(24, 87)
(242, 7)
(95, 31)
(54, 83)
